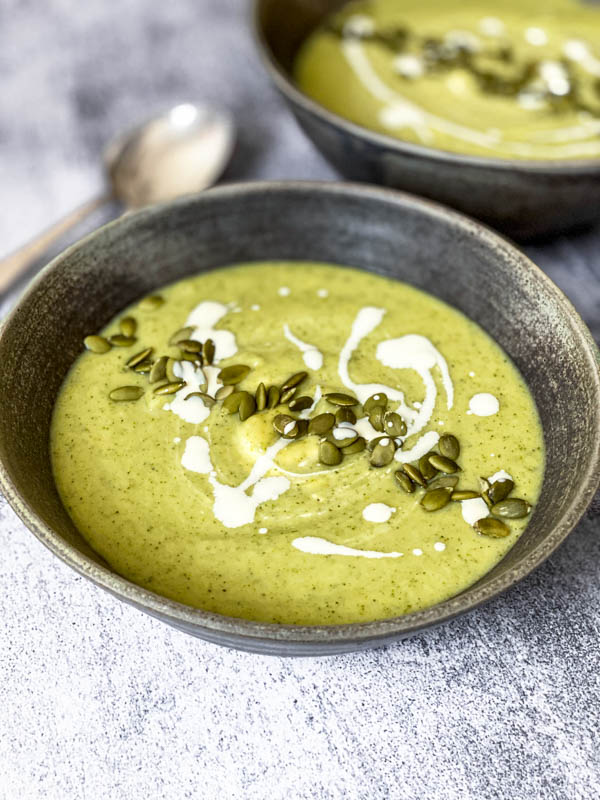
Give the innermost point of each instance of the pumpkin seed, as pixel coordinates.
(224, 391)
(281, 421)
(208, 351)
(293, 380)
(403, 481)
(444, 482)
(393, 424)
(379, 399)
(435, 499)
(190, 346)
(157, 373)
(414, 474)
(340, 399)
(329, 454)
(273, 396)
(181, 334)
(376, 418)
(232, 401)
(287, 394)
(372, 444)
(383, 453)
(489, 526)
(169, 388)
(345, 414)
(206, 398)
(97, 344)
(443, 464)
(143, 355)
(151, 303)
(511, 508)
(128, 326)
(499, 490)
(233, 374)
(170, 370)
(321, 424)
(485, 486)
(143, 368)
(464, 494)
(194, 358)
(122, 341)
(247, 406)
(261, 397)
(126, 393)
(356, 447)
(342, 437)
(300, 403)
(449, 446)
(428, 471)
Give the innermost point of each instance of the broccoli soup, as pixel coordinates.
(297, 443)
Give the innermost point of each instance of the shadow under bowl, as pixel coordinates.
(524, 199)
(375, 229)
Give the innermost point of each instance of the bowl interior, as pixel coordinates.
(381, 231)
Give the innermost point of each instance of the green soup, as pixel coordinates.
(511, 79)
(187, 499)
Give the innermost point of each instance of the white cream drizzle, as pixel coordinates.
(204, 318)
(197, 380)
(314, 545)
(484, 404)
(377, 512)
(311, 355)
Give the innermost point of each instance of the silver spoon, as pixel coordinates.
(182, 151)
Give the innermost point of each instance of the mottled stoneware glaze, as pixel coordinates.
(378, 230)
(525, 200)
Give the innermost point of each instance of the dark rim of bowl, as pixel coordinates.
(240, 630)
(289, 89)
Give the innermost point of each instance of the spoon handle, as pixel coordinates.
(17, 263)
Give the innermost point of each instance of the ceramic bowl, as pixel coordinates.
(524, 199)
(375, 229)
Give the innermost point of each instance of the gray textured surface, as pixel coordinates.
(99, 701)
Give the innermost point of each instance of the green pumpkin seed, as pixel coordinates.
(126, 393)
(499, 490)
(356, 447)
(261, 397)
(444, 482)
(233, 374)
(169, 388)
(190, 346)
(435, 499)
(122, 341)
(404, 482)
(273, 396)
(376, 400)
(464, 494)
(342, 437)
(293, 380)
(143, 355)
(233, 401)
(181, 335)
(340, 399)
(97, 344)
(158, 371)
(414, 474)
(329, 454)
(376, 418)
(151, 303)
(208, 351)
(300, 403)
(128, 326)
(511, 508)
(282, 421)
(170, 370)
(372, 444)
(247, 406)
(287, 394)
(444, 464)
(492, 527)
(206, 398)
(427, 470)
(194, 358)
(143, 368)
(393, 424)
(224, 391)
(485, 488)
(449, 446)
(321, 424)
(383, 453)
(345, 414)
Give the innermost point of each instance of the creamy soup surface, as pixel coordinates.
(225, 514)
(510, 79)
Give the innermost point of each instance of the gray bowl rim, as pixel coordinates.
(554, 167)
(246, 634)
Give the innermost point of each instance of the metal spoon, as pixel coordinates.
(180, 152)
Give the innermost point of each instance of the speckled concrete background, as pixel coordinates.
(99, 702)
